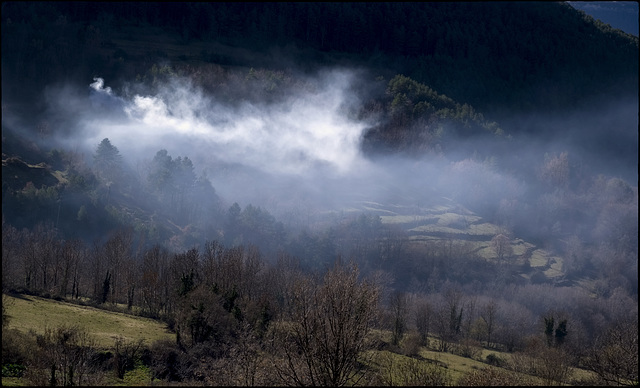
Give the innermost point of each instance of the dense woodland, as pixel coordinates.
(256, 296)
(464, 51)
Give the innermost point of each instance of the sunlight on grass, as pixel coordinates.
(439, 223)
(520, 247)
(556, 268)
(538, 258)
(456, 365)
(407, 219)
(12, 382)
(35, 313)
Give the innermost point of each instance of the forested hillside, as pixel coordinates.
(497, 57)
(425, 179)
(514, 62)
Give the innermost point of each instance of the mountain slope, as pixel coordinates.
(500, 57)
(437, 75)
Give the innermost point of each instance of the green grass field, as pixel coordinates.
(28, 313)
(34, 313)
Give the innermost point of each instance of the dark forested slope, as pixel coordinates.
(500, 57)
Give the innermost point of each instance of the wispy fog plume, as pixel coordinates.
(98, 86)
(303, 148)
(308, 131)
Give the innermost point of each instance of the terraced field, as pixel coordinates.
(447, 222)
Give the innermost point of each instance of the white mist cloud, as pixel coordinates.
(98, 86)
(307, 131)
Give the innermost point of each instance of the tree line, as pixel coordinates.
(589, 220)
(259, 290)
(242, 317)
(237, 297)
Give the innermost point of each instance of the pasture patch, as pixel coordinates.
(35, 313)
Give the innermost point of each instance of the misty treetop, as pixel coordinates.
(182, 195)
(418, 119)
(107, 161)
(167, 174)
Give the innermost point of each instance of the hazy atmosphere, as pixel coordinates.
(453, 185)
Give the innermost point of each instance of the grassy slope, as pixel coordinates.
(35, 313)
(28, 313)
(454, 366)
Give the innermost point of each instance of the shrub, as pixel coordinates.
(495, 360)
(494, 377)
(64, 356)
(468, 348)
(17, 348)
(126, 353)
(538, 277)
(404, 371)
(165, 361)
(411, 345)
(13, 370)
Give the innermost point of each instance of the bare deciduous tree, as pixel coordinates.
(11, 251)
(488, 315)
(501, 244)
(70, 255)
(66, 353)
(153, 284)
(125, 353)
(117, 252)
(424, 310)
(555, 170)
(326, 329)
(399, 310)
(614, 358)
(552, 364)
(449, 312)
